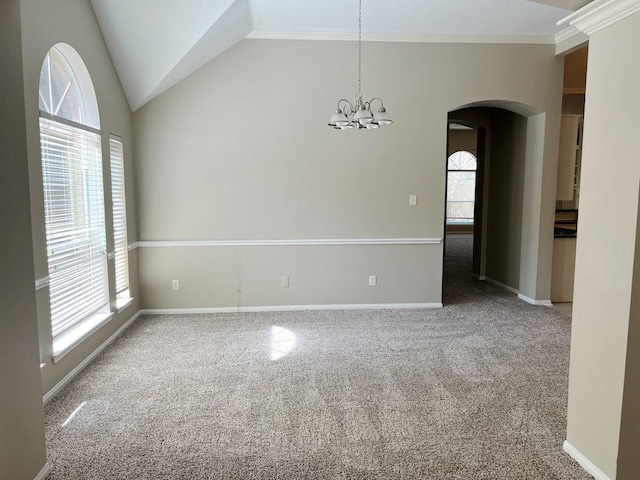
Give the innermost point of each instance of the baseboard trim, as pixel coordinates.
(584, 461)
(531, 301)
(291, 308)
(496, 283)
(46, 470)
(82, 365)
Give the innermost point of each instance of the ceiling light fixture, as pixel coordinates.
(359, 114)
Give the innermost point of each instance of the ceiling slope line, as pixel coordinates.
(230, 28)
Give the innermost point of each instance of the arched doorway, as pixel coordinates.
(514, 198)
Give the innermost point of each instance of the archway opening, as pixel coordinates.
(504, 146)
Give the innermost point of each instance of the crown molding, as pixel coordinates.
(405, 37)
(568, 39)
(600, 14)
(566, 34)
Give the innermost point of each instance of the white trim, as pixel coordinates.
(566, 34)
(69, 123)
(71, 375)
(42, 283)
(46, 470)
(600, 14)
(531, 301)
(133, 246)
(122, 303)
(404, 37)
(288, 243)
(499, 284)
(291, 308)
(584, 461)
(570, 39)
(77, 334)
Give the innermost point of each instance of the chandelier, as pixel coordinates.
(360, 113)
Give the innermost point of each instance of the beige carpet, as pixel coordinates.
(476, 390)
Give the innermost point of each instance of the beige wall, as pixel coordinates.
(603, 383)
(505, 187)
(22, 446)
(463, 140)
(45, 23)
(240, 150)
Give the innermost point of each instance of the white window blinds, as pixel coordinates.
(119, 215)
(74, 222)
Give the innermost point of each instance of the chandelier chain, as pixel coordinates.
(359, 48)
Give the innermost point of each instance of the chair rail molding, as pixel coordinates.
(288, 242)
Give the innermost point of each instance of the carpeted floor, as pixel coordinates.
(476, 390)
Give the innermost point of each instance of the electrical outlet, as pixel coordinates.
(284, 282)
(175, 284)
(373, 280)
(413, 200)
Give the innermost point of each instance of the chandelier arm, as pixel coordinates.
(348, 103)
(379, 99)
(348, 108)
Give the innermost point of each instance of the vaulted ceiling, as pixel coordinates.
(155, 44)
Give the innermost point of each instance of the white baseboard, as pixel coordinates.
(46, 470)
(584, 462)
(291, 308)
(499, 284)
(544, 303)
(71, 375)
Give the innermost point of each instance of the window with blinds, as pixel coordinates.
(74, 222)
(121, 247)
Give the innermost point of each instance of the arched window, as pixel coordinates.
(73, 196)
(461, 187)
(66, 90)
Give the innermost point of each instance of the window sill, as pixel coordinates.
(122, 303)
(73, 337)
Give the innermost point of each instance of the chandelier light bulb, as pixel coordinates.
(382, 117)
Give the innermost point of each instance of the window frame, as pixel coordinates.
(119, 217)
(475, 180)
(72, 162)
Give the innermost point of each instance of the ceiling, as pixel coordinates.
(157, 43)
